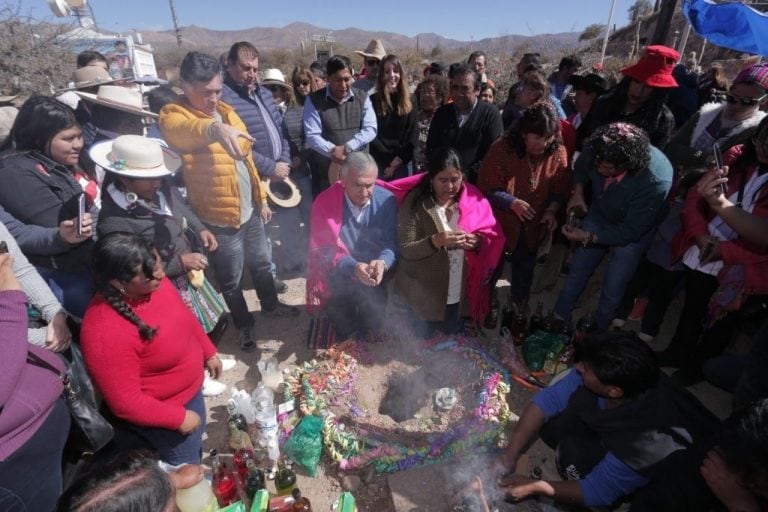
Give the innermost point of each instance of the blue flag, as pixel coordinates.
(731, 25)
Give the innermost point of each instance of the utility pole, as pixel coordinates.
(664, 22)
(175, 22)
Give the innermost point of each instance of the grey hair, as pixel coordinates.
(358, 162)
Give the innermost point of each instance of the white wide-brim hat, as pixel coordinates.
(283, 193)
(88, 76)
(374, 50)
(119, 98)
(274, 76)
(135, 156)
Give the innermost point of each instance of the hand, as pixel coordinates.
(376, 269)
(363, 274)
(575, 234)
(710, 253)
(8, 280)
(186, 476)
(549, 218)
(726, 485)
(296, 162)
(229, 137)
(449, 239)
(518, 487)
(194, 261)
(389, 171)
(214, 367)
(208, 239)
(282, 170)
(339, 153)
(266, 214)
(471, 241)
(577, 202)
(704, 240)
(504, 463)
(57, 335)
(68, 230)
(711, 187)
(190, 424)
(522, 209)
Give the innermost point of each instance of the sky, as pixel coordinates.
(463, 20)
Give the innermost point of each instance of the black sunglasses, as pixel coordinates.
(372, 62)
(747, 102)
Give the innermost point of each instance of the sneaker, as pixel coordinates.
(618, 323)
(645, 337)
(247, 343)
(212, 387)
(281, 311)
(228, 364)
(280, 286)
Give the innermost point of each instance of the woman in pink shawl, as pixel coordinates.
(449, 243)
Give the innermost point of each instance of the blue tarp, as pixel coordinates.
(731, 25)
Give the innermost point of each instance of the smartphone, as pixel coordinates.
(80, 214)
(719, 163)
(3, 247)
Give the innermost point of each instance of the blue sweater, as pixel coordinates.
(611, 478)
(625, 211)
(374, 237)
(250, 113)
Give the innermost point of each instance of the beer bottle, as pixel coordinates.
(300, 503)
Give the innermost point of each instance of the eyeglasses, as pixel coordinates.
(371, 62)
(747, 102)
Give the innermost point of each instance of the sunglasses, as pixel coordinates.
(372, 62)
(303, 82)
(747, 102)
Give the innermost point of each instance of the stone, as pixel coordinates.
(351, 483)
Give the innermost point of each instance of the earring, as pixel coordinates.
(131, 197)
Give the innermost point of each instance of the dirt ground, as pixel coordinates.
(415, 490)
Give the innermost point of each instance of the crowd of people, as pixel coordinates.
(394, 199)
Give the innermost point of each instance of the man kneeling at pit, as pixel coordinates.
(617, 424)
(353, 244)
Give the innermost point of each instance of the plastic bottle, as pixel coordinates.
(285, 481)
(224, 482)
(300, 504)
(198, 498)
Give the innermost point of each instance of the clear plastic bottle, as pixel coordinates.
(198, 498)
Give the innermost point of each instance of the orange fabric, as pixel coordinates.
(502, 169)
(209, 172)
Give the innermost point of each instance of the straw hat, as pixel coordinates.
(274, 76)
(7, 117)
(654, 68)
(120, 98)
(135, 156)
(283, 193)
(374, 50)
(7, 99)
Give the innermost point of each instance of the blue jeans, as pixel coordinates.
(171, 446)
(242, 247)
(621, 267)
(30, 479)
(73, 291)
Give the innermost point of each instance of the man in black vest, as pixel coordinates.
(614, 420)
(338, 120)
(467, 125)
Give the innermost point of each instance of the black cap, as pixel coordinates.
(591, 82)
(437, 68)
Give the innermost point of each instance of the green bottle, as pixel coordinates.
(285, 481)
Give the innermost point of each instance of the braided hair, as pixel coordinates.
(122, 256)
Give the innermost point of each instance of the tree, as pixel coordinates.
(592, 31)
(436, 51)
(639, 9)
(34, 56)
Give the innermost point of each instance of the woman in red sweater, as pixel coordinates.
(144, 348)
